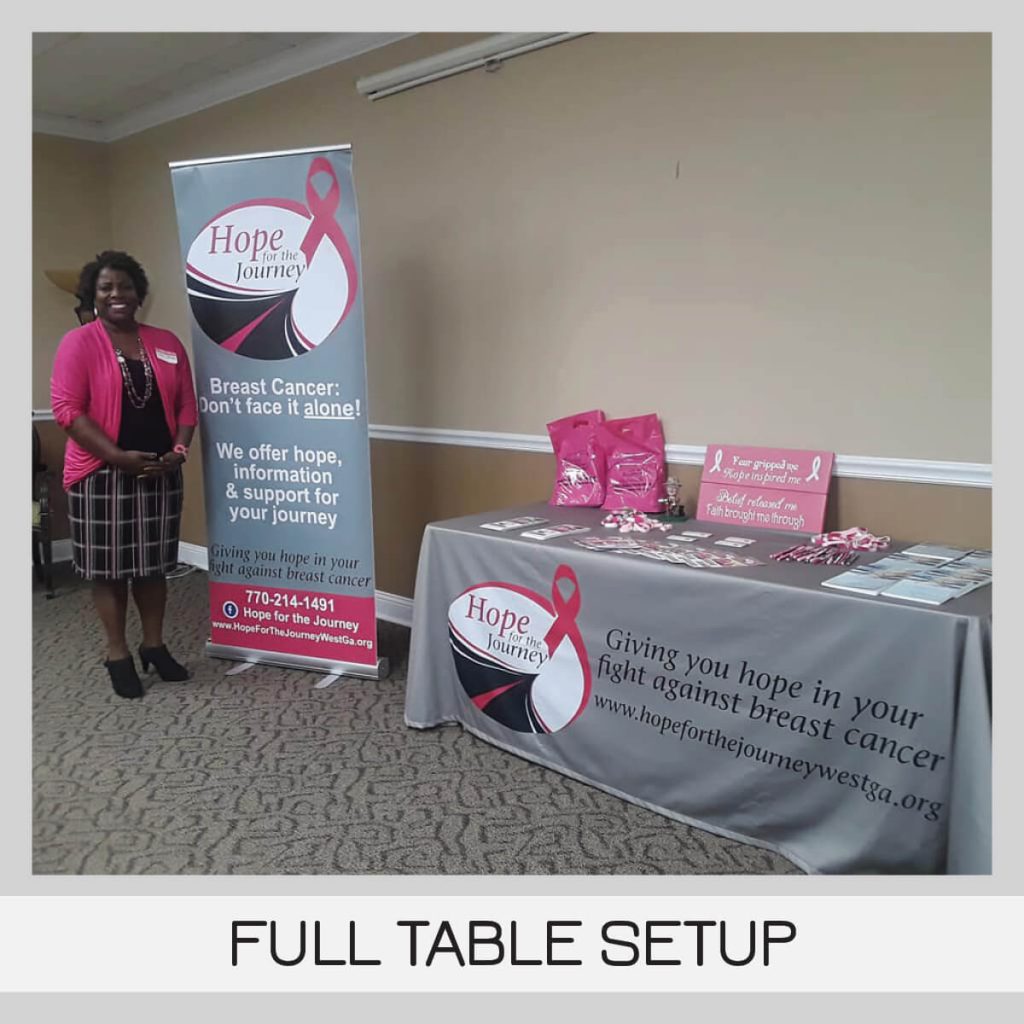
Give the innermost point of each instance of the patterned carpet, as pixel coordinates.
(261, 773)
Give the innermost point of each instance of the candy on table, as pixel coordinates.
(628, 520)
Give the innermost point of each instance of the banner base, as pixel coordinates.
(326, 665)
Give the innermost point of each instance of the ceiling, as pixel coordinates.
(104, 86)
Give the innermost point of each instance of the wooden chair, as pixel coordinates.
(42, 544)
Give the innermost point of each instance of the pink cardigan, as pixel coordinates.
(87, 381)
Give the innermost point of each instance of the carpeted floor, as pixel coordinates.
(262, 773)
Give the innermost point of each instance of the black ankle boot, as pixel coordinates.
(124, 678)
(160, 658)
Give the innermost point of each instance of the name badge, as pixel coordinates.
(167, 357)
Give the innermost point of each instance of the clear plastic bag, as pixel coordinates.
(634, 449)
(579, 460)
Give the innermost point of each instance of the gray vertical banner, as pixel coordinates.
(270, 250)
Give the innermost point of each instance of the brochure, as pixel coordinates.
(607, 543)
(705, 558)
(859, 581)
(894, 563)
(513, 524)
(976, 560)
(667, 554)
(909, 579)
(559, 530)
(923, 591)
(961, 581)
(695, 558)
(734, 542)
(934, 553)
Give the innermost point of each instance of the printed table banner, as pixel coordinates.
(270, 248)
(766, 488)
(851, 735)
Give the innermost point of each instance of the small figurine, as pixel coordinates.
(671, 500)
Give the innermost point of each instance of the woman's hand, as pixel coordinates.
(139, 463)
(171, 461)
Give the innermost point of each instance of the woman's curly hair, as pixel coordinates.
(112, 259)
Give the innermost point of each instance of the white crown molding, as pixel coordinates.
(300, 60)
(481, 53)
(864, 467)
(68, 127)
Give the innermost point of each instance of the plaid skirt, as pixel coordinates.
(124, 526)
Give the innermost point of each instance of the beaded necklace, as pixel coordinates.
(138, 401)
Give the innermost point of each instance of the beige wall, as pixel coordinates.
(70, 224)
(776, 239)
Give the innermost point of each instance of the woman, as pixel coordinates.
(123, 393)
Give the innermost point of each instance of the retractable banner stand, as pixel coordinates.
(270, 249)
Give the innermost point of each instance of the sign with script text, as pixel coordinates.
(766, 488)
(270, 254)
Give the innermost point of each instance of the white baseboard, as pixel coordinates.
(394, 608)
(193, 554)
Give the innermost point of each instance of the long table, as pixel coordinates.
(850, 734)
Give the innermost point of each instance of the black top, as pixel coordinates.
(143, 430)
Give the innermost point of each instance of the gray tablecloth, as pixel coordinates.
(848, 733)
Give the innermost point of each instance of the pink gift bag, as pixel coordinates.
(579, 460)
(634, 449)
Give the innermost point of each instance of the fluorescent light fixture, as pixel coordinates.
(482, 53)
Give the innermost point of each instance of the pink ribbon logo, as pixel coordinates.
(322, 210)
(566, 610)
(503, 679)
